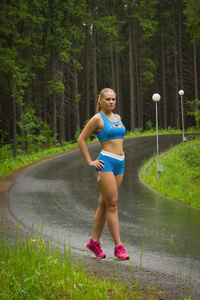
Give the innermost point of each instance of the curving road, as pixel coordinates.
(60, 197)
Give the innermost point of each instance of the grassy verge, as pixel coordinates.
(34, 269)
(9, 164)
(181, 177)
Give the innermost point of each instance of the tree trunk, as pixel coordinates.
(62, 117)
(94, 69)
(14, 129)
(76, 104)
(164, 96)
(136, 78)
(118, 89)
(131, 77)
(112, 70)
(22, 135)
(177, 110)
(87, 74)
(54, 99)
(68, 104)
(62, 106)
(44, 97)
(54, 120)
(195, 81)
(140, 92)
(180, 48)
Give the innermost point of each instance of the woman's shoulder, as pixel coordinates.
(118, 116)
(98, 122)
(95, 119)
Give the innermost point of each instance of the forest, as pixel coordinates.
(56, 56)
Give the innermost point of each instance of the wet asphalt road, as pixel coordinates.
(59, 197)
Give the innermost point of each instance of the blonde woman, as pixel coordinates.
(109, 170)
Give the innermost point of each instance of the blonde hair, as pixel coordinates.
(101, 96)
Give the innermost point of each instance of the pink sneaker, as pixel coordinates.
(95, 247)
(120, 252)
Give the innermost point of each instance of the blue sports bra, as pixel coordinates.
(110, 130)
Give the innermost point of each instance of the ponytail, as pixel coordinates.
(99, 106)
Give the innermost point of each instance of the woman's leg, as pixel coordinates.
(109, 185)
(99, 220)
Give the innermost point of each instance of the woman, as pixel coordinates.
(109, 169)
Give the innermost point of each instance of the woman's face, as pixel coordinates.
(108, 101)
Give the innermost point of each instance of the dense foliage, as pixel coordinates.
(55, 57)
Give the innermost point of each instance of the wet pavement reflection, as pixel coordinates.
(60, 197)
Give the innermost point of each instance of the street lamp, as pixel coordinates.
(181, 93)
(156, 98)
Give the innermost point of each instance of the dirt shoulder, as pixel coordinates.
(172, 286)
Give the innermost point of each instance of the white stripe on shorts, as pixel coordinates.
(113, 155)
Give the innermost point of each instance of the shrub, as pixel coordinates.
(37, 134)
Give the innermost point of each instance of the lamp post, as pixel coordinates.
(156, 98)
(181, 93)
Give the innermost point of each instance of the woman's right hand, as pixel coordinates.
(97, 164)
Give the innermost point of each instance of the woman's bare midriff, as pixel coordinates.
(114, 146)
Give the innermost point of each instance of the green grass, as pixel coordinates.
(180, 179)
(152, 131)
(34, 269)
(9, 164)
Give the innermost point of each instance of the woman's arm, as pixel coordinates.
(91, 127)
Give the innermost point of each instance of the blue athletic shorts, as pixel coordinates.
(112, 162)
